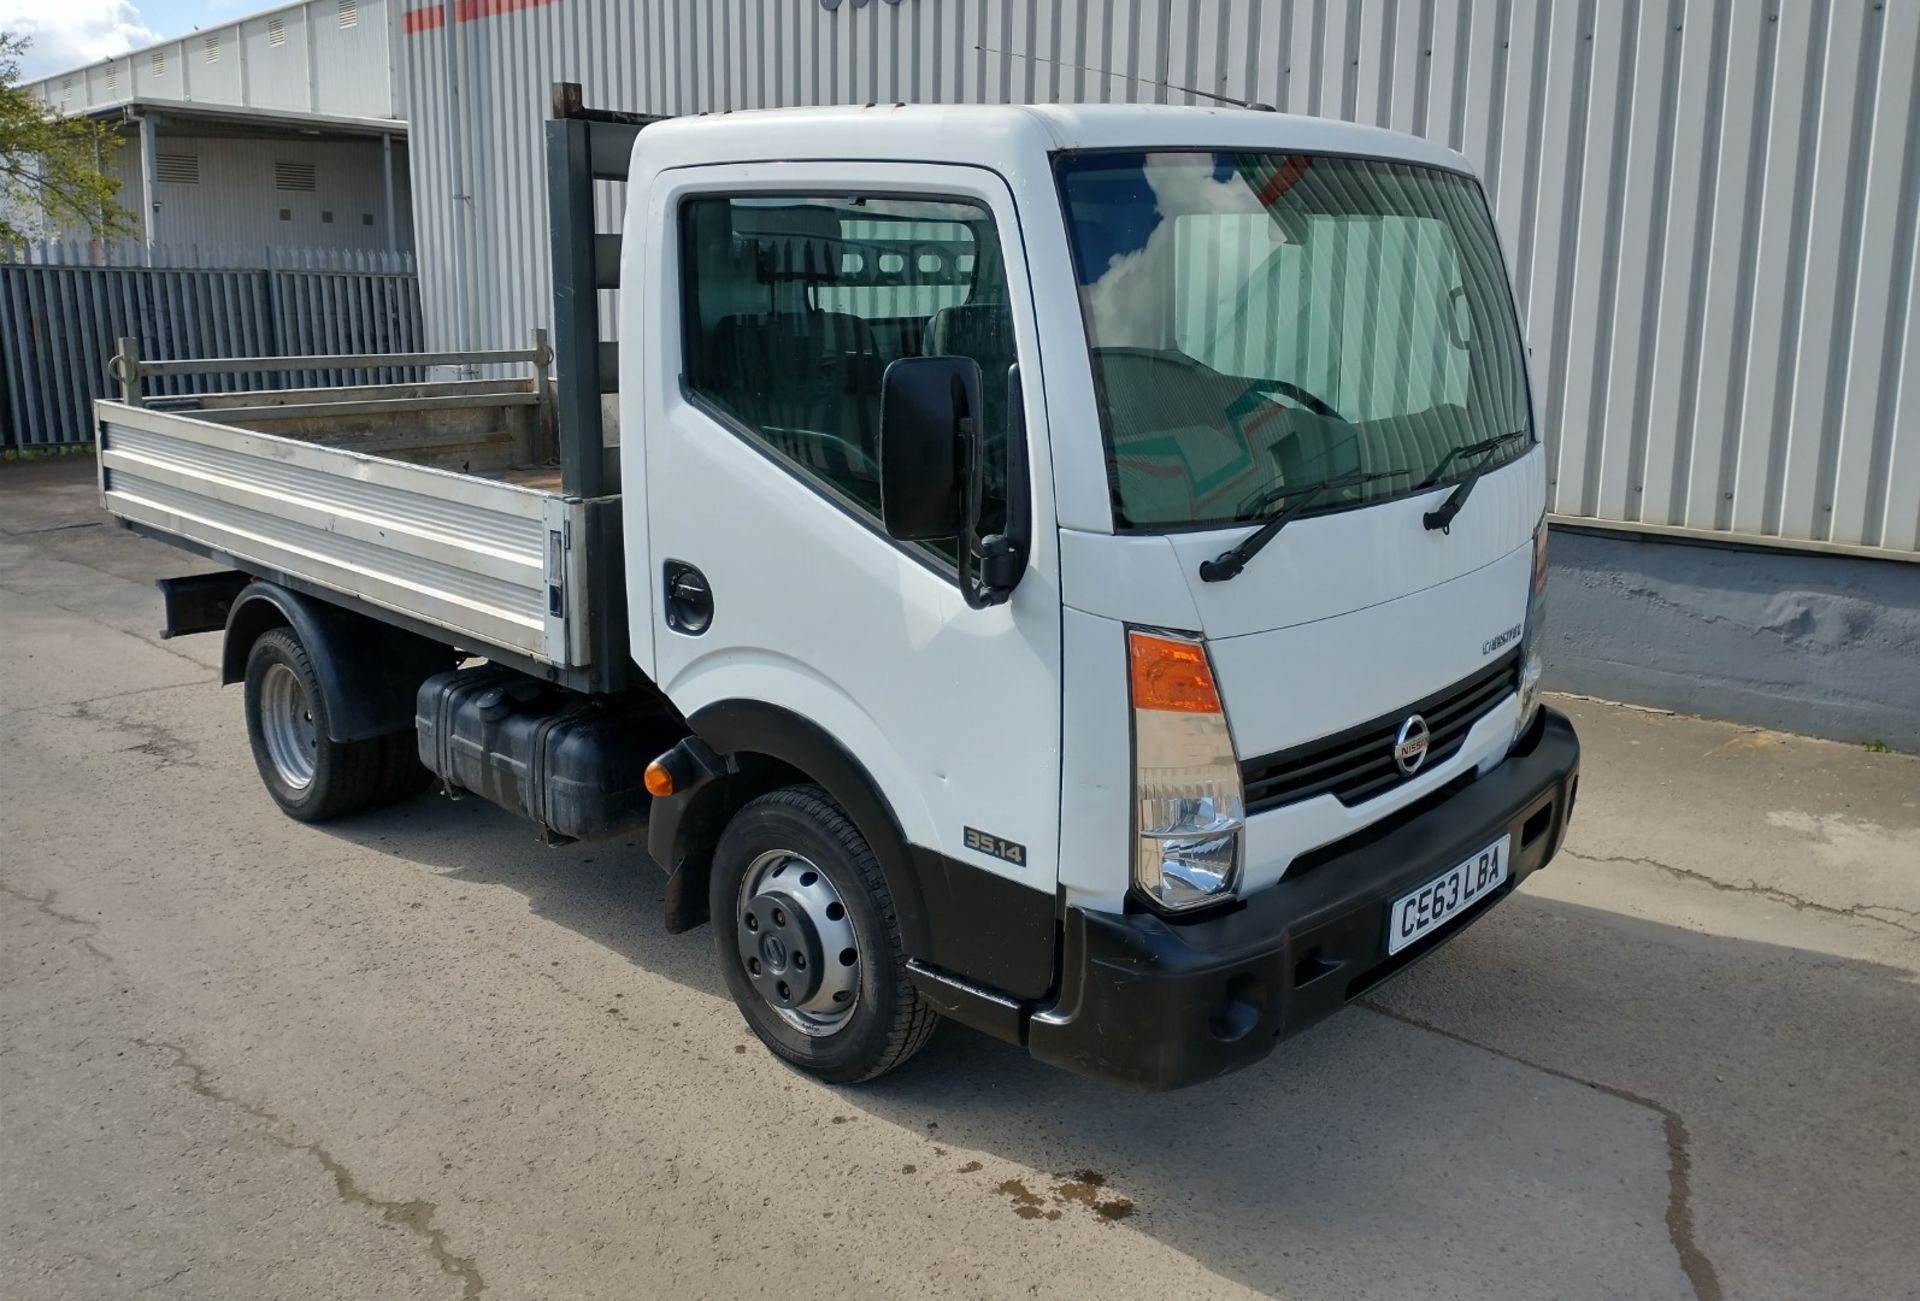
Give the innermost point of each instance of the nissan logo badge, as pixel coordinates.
(1410, 746)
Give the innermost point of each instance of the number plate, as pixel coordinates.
(1445, 897)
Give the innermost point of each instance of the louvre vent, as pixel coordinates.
(276, 30)
(293, 176)
(113, 76)
(213, 49)
(66, 89)
(157, 63)
(349, 13)
(177, 169)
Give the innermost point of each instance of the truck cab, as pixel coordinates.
(949, 417)
(1073, 570)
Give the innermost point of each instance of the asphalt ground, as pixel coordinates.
(415, 1053)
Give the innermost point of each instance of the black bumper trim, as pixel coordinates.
(1159, 1005)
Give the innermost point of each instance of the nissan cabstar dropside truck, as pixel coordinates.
(1077, 571)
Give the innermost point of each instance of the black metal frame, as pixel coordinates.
(583, 146)
(199, 603)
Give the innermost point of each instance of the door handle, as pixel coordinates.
(689, 598)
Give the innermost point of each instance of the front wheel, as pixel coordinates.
(808, 940)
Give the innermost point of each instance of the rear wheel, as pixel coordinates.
(310, 776)
(808, 940)
(402, 775)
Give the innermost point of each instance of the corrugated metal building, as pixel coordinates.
(326, 58)
(1711, 203)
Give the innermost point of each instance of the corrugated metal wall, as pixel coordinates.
(1712, 204)
(336, 57)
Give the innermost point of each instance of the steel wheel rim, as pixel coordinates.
(797, 944)
(286, 726)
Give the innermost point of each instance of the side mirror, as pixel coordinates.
(929, 449)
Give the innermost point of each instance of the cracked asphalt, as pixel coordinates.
(415, 1054)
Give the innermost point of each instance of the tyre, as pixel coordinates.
(311, 777)
(808, 941)
(402, 775)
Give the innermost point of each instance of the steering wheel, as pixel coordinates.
(1287, 389)
(1191, 365)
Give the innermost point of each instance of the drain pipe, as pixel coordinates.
(386, 192)
(463, 201)
(149, 203)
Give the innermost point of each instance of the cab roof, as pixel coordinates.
(1005, 135)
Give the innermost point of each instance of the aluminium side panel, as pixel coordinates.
(472, 556)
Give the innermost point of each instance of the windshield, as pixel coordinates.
(1262, 322)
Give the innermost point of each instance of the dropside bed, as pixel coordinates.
(434, 506)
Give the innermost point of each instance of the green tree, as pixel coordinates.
(52, 165)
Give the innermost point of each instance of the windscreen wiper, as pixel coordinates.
(1442, 517)
(1231, 561)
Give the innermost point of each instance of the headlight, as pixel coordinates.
(1186, 781)
(1530, 666)
(1529, 692)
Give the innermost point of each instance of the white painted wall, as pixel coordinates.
(234, 212)
(237, 205)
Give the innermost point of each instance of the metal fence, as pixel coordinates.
(62, 306)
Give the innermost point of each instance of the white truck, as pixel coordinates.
(1073, 570)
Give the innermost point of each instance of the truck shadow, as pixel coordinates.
(1525, 1114)
(608, 891)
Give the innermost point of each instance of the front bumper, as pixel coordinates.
(1157, 1004)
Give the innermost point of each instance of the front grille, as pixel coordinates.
(1357, 764)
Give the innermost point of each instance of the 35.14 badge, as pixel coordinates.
(987, 843)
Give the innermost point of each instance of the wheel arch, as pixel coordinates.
(369, 671)
(761, 747)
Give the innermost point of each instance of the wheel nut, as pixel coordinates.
(779, 917)
(753, 923)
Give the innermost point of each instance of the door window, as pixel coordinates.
(794, 305)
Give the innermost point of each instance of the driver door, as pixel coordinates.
(794, 286)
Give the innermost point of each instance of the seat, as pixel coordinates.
(984, 332)
(810, 382)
